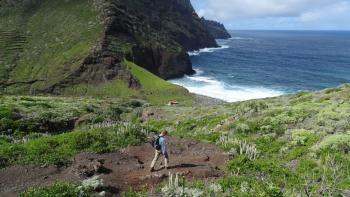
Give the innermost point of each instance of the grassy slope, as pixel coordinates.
(60, 148)
(158, 90)
(26, 136)
(302, 141)
(153, 89)
(58, 36)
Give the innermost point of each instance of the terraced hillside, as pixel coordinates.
(45, 41)
(67, 47)
(11, 47)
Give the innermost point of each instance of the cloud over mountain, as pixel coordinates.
(299, 12)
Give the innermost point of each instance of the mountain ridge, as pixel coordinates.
(62, 44)
(216, 29)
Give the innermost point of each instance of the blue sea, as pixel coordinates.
(260, 64)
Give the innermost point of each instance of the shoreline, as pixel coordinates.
(201, 100)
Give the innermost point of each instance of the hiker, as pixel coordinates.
(159, 143)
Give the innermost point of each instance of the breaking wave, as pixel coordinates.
(207, 50)
(211, 87)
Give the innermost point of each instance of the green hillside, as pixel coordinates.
(95, 96)
(283, 146)
(44, 41)
(153, 89)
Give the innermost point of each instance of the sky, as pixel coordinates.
(277, 14)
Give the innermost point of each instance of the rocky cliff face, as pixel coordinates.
(158, 32)
(216, 29)
(87, 42)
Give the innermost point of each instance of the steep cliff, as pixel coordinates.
(49, 46)
(159, 32)
(216, 29)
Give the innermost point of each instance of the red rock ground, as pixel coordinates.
(124, 170)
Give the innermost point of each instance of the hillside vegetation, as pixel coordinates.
(43, 41)
(106, 60)
(68, 47)
(283, 146)
(153, 89)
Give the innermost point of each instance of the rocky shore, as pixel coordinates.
(201, 100)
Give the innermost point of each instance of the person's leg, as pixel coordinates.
(156, 155)
(166, 160)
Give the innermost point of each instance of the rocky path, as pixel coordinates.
(123, 170)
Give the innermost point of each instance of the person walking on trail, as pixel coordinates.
(160, 146)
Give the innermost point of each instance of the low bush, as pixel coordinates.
(58, 149)
(339, 142)
(267, 168)
(57, 189)
(302, 137)
(269, 145)
(131, 193)
(249, 186)
(57, 114)
(87, 188)
(332, 90)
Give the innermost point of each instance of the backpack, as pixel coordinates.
(155, 142)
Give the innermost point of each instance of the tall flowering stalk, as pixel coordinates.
(241, 147)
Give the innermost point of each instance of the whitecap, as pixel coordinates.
(207, 50)
(213, 88)
(240, 38)
(198, 71)
(203, 79)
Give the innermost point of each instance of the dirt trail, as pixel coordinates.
(122, 170)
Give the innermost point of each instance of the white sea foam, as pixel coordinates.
(208, 86)
(198, 71)
(204, 79)
(213, 88)
(207, 50)
(239, 38)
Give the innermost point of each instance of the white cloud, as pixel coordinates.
(337, 12)
(310, 12)
(230, 9)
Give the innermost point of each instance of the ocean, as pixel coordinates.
(260, 64)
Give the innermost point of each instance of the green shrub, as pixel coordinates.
(5, 139)
(250, 107)
(302, 137)
(269, 167)
(269, 145)
(58, 149)
(58, 189)
(249, 186)
(296, 152)
(33, 136)
(209, 136)
(306, 167)
(131, 193)
(331, 90)
(56, 114)
(339, 142)
(242, 128)
(154, 125)
(241, 163)
(7, 125)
